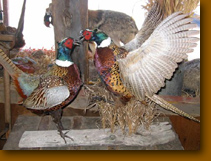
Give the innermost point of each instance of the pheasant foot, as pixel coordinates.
(57, 115)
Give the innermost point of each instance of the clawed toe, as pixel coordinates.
(64, 135)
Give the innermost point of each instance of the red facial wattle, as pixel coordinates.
(87, 35)
(47, 23)
(68, 43)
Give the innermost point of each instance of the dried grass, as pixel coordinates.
(115, 115)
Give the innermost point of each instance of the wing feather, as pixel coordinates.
(46, 98)
(137, 86)
(158, 77)
(152, 20)
(145, 69)
(147, 82)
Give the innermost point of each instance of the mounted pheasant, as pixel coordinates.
(52, 91)
(139, 69)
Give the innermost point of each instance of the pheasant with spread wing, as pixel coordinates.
(50, 92)
(139, 69)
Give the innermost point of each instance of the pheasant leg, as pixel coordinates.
(57, 115)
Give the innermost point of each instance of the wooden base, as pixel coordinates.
(39, 133)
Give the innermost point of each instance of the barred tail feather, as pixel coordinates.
(9, 65)
(164, 104)
(13, 71)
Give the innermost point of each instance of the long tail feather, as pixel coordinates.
(11, 68)
(24, 83)
(164, 104)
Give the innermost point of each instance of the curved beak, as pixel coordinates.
(77, 42)
(81, 37)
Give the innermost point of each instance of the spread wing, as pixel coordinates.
(153, 19)
(145, 69)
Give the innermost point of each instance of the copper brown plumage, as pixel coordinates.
(60, 76)
(148, 60)
(108, 69)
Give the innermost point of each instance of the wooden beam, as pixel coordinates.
(0, 5)
(69, 18)
(7, 106)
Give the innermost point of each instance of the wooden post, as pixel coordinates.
(7, 105)
(6, 16)
(1, 15)
(0, 5)
(69, 18)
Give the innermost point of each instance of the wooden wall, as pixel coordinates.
(188, 131)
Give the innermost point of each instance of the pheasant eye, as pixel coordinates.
(68, 43)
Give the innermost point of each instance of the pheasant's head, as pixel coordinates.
(47, 19)
(64, 51)
(99, 37)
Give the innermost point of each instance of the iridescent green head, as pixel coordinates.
(97, 36)
(64, 51)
